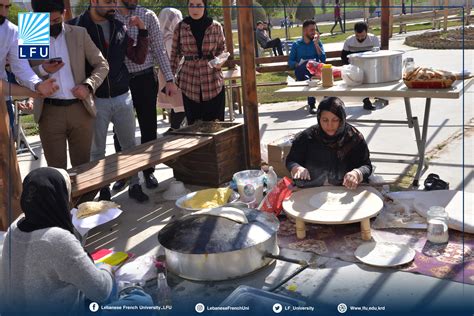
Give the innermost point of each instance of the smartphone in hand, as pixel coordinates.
(55, 60)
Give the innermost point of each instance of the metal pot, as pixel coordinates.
(379, 66)
(211, 248)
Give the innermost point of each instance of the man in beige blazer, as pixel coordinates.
(67, 117)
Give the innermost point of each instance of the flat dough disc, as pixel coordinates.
(334, 205)
(384, 254)
(232, 213)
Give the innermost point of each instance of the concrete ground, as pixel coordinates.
(330, 282)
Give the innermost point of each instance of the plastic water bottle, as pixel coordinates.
(272, 179)
(163, 291)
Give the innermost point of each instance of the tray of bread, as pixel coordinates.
(428, 78)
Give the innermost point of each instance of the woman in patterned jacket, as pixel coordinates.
(197, 40)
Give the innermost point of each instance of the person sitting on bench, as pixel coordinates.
(331, 152)
(361, 41)
(309, 47)
(265, 41)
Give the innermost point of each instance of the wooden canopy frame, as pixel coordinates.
(10, 179)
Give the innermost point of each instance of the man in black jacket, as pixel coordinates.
(113, 99)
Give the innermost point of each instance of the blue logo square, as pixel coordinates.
(33, 35)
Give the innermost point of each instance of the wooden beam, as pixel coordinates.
(10, 179)
(446, 13)
(385, 24)
(249, 82)
(68, 14)
(229, 39)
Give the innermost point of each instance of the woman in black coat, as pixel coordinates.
(332, 152)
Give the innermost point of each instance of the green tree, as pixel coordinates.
(271, 7)
(305, 10)
(13, 13)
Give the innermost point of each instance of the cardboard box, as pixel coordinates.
(277, 152)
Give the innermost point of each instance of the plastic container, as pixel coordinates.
(250, 185)
(438, 225)
(272, 179)
(408, 65)
(327, 77)
(163, 291)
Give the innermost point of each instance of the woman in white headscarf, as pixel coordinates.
(169, 18)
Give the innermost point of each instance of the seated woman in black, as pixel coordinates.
(331, 152)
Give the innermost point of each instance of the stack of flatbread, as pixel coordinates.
(428, 78)
(87, 209)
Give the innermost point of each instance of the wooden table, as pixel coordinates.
(316, 205)
(230, 75)
(395, 89)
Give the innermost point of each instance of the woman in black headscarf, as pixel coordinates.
(331, 152)
(45, 200)
(44, 267)
(197, 40)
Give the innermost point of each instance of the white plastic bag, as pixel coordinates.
(352, 75)
(219, 59)
(140, 270)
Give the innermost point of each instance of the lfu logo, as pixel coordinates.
(33, 35)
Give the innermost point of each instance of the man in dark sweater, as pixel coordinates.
(113, 98)
(265, 41)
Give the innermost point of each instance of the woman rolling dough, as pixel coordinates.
(331, 152)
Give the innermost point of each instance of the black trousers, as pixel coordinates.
(340, 24)
(176, 118)
(211, 110)
(144, 89)
(276, 45)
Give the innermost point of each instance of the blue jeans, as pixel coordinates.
(119, 111)
(303, 74)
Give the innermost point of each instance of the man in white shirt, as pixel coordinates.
(20, 67)
(67, 117)
(361, 41)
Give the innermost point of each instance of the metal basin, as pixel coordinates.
(212, 248)
(379, 66)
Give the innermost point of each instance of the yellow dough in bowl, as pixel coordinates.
(209, 198)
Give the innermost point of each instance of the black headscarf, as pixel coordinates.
(45, 201)
(198, 27)
(346, 137)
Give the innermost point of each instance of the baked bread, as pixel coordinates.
(428, 78)
(87, 209)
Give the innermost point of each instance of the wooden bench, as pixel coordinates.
(92, 176)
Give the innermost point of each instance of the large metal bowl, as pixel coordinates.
(211, 248)
(379, 66)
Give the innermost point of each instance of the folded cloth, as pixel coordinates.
(209, 198)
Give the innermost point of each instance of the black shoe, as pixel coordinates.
(150, 181)
(433, 182)
(312, 109)
(119, 185)
(135, 192)
(368, 104)
(104, 194)
(168, 132)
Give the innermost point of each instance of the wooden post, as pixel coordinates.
(249, 82)
(365, 229)
(467, 13)
(446, 13)
(385, 24)
(229, 40)
(367, 11)
(68, 14)
(10, 179)
(300, 228)
(390, 35)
